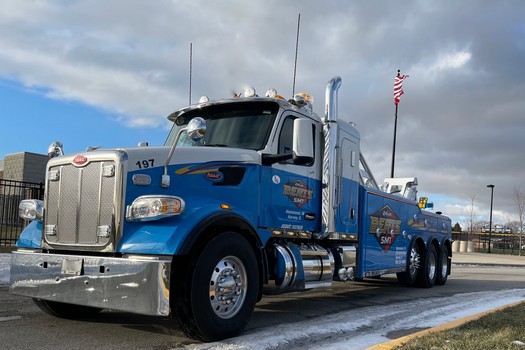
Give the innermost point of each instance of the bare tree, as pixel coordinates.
(519, 199)
(470, 220)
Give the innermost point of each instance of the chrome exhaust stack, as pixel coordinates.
(329, 200)
(331, 100)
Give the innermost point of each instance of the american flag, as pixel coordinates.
(398, 87)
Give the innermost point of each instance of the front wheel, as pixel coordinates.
(219, 296)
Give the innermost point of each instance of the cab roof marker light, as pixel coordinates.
(249, 92)
(272, 93)
(148, 208)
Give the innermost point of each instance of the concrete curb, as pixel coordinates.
(486, 264)
(450, 325)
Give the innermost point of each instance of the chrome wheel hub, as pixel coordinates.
(414, 261)
(228, 287)
(444, 267)
(432, 269)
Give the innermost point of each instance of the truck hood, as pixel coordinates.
(157, 156)
(139, 158)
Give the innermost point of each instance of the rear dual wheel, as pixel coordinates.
(409, 277)
(443, 267)
(428, 274)
(422, 267)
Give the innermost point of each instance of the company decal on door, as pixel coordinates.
(298, 192)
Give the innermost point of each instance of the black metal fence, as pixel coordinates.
(11, 194)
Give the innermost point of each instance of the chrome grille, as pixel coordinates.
(80, 204)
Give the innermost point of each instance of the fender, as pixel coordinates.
(216, 223)
(206, 227)
(31, 236)
(448, 243)
(417, 239)
(178, 235)
(439, 245)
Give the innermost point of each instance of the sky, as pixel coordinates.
(99, 73)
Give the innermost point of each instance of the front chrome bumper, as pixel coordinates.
(132, 285)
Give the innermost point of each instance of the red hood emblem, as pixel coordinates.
(80, 160)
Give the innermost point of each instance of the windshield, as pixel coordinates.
(237, 124)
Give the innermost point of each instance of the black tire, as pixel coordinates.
(220, 292)
(64, 310)
(409, 277)
(428, 273)
(443, 267)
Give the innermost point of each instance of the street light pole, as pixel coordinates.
(490, 217)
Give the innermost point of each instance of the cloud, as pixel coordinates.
(460, 119)
(453, 60)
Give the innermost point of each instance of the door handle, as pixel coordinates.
(309, 216)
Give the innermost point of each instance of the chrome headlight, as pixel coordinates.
(31, 209)
(147, 208)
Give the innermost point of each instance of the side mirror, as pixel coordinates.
(196, 129)
(55, 149)
(303, 141)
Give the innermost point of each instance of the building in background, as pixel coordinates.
(25, 167)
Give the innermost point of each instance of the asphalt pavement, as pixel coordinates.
(361, 294)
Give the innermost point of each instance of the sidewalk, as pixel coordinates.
(488, 259)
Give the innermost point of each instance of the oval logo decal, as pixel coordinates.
(80, 160)
(214, 176)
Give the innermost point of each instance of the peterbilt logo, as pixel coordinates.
(80, 160)
(214, 176)
(385, 225)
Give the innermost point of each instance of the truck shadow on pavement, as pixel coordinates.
(300, 306)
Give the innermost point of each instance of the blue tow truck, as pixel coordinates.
(248, 196)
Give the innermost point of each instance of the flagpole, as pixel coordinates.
(398, 91)
(394, 145)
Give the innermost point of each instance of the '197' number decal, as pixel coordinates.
(146, 163)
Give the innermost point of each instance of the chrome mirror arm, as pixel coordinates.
(195, 130)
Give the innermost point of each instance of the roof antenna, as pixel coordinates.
(296, 50)
(191, 51)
